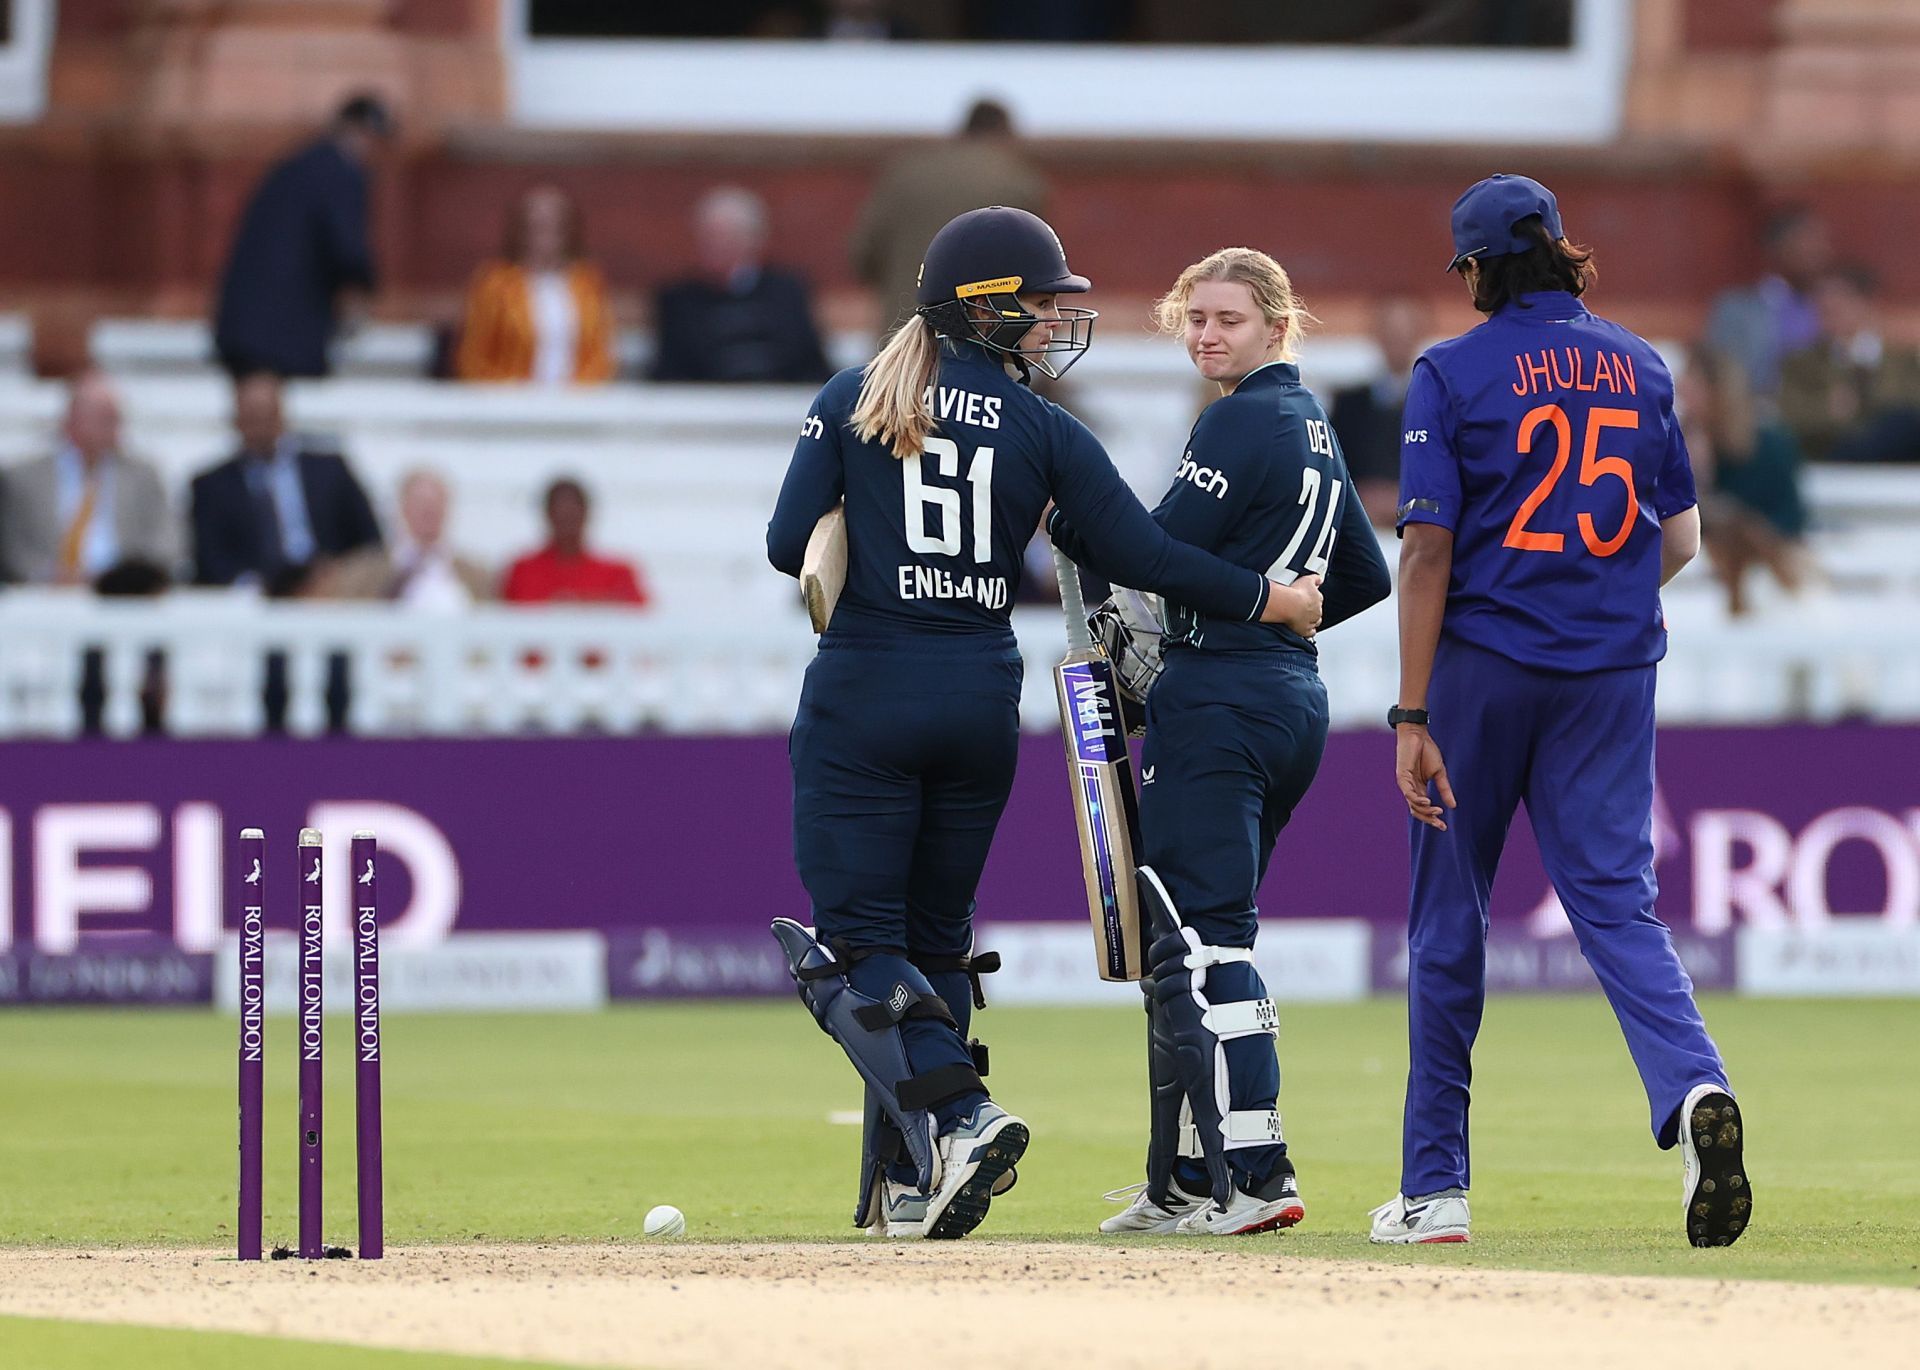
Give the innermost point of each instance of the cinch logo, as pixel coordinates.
(1205, 477)
(813, 428)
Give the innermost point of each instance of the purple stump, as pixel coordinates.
(312, 1247)
(249, 892)
(366, 1043)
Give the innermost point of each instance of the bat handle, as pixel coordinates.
(1071, 601)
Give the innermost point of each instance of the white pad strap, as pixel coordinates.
(1252, 1127)
(1199, 955)
(1242, 1018)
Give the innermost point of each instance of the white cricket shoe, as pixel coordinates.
(973, 1158)
(1719, 1199)
(901, 1213)
(1142, 1216)
(1275, 1206)
(1438, 1217)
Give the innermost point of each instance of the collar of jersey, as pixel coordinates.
(1270, 373)
(1553, 306)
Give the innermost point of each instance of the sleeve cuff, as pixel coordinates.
(1423, 511)
(1666, 512)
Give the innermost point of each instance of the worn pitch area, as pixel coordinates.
(804, 1305)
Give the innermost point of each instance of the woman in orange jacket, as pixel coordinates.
(540, 314)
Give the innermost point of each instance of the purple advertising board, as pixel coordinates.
(691, 837)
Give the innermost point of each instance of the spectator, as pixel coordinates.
(917, 195)
(540, 313)
(301, 263)
(278, 509)
(739, 320)
(428, 572)
(1366, 417)
(1758, 325)
(87, 509)
(1852, 395)
(564, 570)
(423, 571)
(1748, 474)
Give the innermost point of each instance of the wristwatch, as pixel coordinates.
(1397, 715)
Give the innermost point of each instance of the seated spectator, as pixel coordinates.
(423, 571)
(540, 313)
(1757, 326)
(564, 570)
(739, 320)
(1852, 395)
(1366, 417)
(279, 508)
(87, 509)
(1748, 476)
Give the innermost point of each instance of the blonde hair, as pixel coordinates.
(1273, 294)
(892, 408)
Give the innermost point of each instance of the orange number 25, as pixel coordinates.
(1592, 467)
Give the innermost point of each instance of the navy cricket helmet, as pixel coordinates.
(978, 266)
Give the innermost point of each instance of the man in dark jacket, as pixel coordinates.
(301, 257)
(277, 509)
(739, 320)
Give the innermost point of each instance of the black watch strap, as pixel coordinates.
(1397, 715)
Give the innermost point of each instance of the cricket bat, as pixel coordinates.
(823, 569)
(1100, 770)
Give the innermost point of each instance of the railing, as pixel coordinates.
(499, 670)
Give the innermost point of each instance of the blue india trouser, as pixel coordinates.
(1233, 742)
(903, 756)
(1577, 750)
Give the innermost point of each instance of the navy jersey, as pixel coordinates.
(1262, 484)
(1545, 440)
(934, 542)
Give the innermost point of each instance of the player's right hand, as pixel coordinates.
(1297, 605)
(1416, 761)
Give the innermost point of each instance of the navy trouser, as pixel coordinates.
(1577, 750)
(1233, 742)
(903, 757)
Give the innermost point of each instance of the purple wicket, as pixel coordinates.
(312, 1243)
(250, 894)
(366, 1044)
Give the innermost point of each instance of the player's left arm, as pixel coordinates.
(1677, 504)
(1357, 576)
(1679, 542)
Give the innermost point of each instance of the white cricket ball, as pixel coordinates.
(664, 1220)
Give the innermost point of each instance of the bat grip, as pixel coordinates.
(1071, 602)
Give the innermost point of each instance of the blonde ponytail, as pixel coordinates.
(892, 408)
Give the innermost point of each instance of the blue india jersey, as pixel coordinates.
(1545, 440)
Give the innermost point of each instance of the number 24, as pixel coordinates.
(1593, 466)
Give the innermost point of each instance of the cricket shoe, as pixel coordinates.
(1273, 1204)
(901, 1212)
(1719, 1201)
(973, 1158)
(903, 1209)
(1142, 1216)
(1438, 1217)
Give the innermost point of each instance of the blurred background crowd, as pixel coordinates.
(282, 421)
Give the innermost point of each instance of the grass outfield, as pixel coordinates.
(119, 1129)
